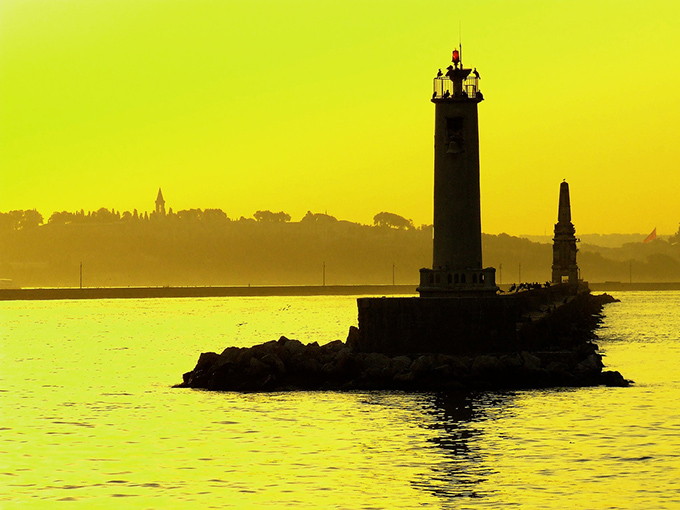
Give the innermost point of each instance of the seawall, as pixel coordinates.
(525, 320)
(558, 340)
(191, 292)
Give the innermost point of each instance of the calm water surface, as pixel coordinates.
(88, 418)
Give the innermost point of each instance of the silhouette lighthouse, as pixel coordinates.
(457, 251)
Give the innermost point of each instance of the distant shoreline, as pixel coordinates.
(254, 291)
(193, 292)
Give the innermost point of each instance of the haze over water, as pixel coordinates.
(89, 418)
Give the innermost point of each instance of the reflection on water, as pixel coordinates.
(463, 469)
(88, 417)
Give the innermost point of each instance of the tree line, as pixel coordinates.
(31, 218)
(206, 247)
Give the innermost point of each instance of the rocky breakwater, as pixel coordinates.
(285, 364)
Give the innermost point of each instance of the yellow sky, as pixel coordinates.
(324, 106)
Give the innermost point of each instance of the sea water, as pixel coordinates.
(88, 418)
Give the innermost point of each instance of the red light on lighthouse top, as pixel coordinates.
(455, 58)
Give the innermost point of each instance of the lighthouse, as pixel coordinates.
(457, 244)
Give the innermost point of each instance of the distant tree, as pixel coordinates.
(311, 217)
(190, 214)
(103, 215)
(127, 216)
(10, 220)
(61, 218)
(18, 220)
(214, 215)
(30, 219)
(269, 216)
(386, 219)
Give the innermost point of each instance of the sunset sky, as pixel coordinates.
(325, 106)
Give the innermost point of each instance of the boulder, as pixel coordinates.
(423, 364)
(590, 366)
(614, 378)
(229, 355)
(400, 364)
(375, 361)
(530, 361)
(206, 360)
(294, 346)
(275, 362)
(485, 366)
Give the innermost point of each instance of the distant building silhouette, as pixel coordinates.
(564, 243)
(160, 203)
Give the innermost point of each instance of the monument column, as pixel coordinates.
(457, 244)
(564, 243)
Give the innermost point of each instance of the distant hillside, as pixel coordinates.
(601, 240)
(207, 248)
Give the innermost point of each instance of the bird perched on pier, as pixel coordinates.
(439, 74)
(476, 73)
(446, 94)
(434, 94)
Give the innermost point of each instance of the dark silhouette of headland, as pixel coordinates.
(461, 332)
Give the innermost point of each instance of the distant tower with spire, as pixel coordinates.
(160, 203)
(564, 243)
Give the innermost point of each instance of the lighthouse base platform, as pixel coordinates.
(556, 316)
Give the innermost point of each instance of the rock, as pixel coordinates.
(257, 368)
(605, 298)
(229, 355)
(332, 347)
(589, 366)
(530, 361)
(294, 346)
(442, 372)
(275, 362)
(330, 369)
(485, 365)
(557, 366)
(510, 361)
(376, 361)
(206, 360)
(586, 349)
(400, 364)
(613, 378)
(407, 377)
(422, 364)
(309, 366)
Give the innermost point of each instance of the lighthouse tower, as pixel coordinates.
(457, 251)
